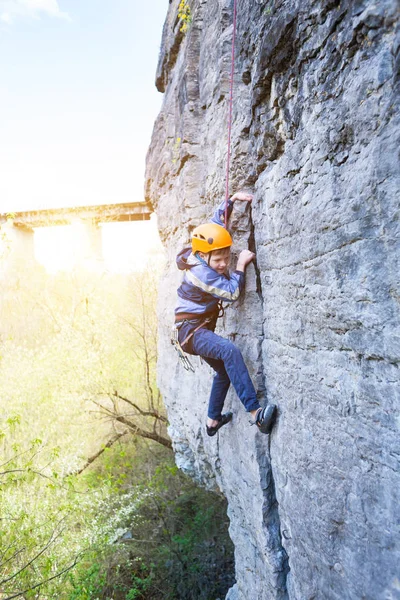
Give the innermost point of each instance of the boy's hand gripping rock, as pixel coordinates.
(245, 257)
(244, 196)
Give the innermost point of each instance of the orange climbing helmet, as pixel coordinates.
(209, 237)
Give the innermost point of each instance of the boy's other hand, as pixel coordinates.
(242, 196)
(245, 257)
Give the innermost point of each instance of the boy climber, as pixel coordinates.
(206, 283)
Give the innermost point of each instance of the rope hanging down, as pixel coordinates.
(228, 160)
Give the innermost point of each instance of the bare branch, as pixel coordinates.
(18, 594)
(10, 558)
(152, 413)
(145, 434)
(53, 481)
(13, 458)
(92, 458)
(52, 539)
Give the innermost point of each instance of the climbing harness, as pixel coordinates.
(185, 362)
(228, 160)
(189, 337)
(183, 357)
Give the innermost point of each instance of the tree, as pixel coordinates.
(142, 413)
(32, 538)
(72, 346)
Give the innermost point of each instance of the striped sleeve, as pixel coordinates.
(219, 286)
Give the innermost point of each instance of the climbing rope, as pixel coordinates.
(228, 160)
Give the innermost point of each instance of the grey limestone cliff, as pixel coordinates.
(314, 510)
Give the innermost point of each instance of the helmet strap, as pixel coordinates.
(207, 262)
(197, 255)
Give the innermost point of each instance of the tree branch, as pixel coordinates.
(152, 413)
(146, 434)
(92, 458)
(18, 594)
(52, 539)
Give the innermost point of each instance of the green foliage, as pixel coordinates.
(38, 519)
(88, 583)
(184, 15)
(106, 579)
(167, 538)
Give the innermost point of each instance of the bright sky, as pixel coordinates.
(77, 100)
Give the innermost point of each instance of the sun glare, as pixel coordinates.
(117, 247)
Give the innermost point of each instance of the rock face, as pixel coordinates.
(314, 510)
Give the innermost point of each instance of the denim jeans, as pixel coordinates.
(227, 361)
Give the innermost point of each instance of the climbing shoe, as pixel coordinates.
(223, 420)
(265, 418)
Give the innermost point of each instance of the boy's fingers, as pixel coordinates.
(247, 256)
(243, 196)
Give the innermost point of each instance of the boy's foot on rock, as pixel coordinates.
(223, 420)
(265, 418)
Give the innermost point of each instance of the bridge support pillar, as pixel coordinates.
(93, 241)
(91, 244)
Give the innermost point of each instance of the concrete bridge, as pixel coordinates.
(19, 227)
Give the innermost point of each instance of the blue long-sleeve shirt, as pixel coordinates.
(202, 287)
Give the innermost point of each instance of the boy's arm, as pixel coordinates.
(219, 214)
(219, 286)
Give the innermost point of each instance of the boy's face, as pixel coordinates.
(219, 259)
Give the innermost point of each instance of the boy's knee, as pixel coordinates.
(229, 349)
